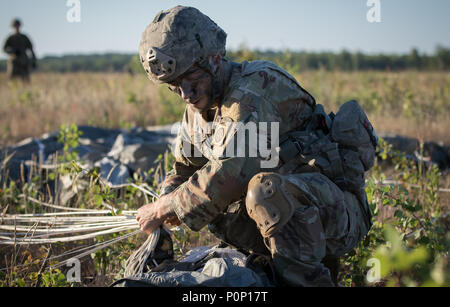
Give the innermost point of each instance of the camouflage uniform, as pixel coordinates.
(210, 187)
(19, 63)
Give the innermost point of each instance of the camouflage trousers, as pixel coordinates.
(329, 222)
(19, 70)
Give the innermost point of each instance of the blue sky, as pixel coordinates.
(312, 25)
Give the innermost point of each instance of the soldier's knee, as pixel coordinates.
(269, 202)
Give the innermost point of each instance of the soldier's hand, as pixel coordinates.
(152, 216)
(147, 218)
(172, 221)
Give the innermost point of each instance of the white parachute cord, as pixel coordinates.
(54, 206)
(45, 232)
(92, 249)
(81, 220)
(20, 241)
(136, 262)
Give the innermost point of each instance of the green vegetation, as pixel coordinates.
(172, 107)
(347, 61)
(34, 265)
(69, 136)
(409, 239)
(294, 61)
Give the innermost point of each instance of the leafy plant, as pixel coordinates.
(409, 237)
(69, 137)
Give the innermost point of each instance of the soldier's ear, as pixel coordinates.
(215, 62)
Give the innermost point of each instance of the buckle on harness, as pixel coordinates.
(289, 149)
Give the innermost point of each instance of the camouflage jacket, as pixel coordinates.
(204, 180)
(16, 46)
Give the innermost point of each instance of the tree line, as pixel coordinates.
(293, 61)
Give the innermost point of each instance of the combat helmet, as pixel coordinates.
(176, 39)
(16, 23)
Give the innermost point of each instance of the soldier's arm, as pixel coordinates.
(30, 48)
(184, 167)
(207, 193)
(220, 182)
(160, 211)
(181, 172)
(7, 48)
(33, 58)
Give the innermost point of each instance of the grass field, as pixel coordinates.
(415, 104)
(413, 249)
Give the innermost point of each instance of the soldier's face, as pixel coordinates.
(195, 88)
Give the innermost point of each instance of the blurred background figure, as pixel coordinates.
(21, 55)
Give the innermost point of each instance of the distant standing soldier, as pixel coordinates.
(17, 47)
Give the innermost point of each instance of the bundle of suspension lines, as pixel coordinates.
(69, 224)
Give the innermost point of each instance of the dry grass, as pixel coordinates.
(409, 103)
(104, 100)
(415, 104)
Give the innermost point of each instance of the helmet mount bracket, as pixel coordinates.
(161, 64)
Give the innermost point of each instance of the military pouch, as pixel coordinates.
(351, 128)
(289, 149)
(340, 146)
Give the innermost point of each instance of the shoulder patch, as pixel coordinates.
(232, 110)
